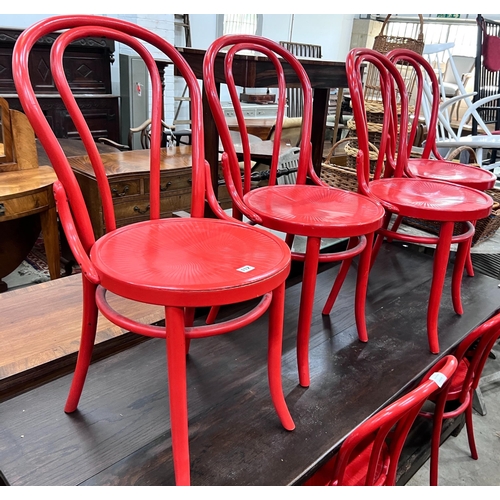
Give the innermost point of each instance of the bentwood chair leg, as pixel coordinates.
(212, 315)
(458, 271)
(441, 258)
(275, 346)
(176, 368)
(468, 264)
(306, 308)
(470, 430)
(188, 321)
(339, 280)
(436, 439)
(362, 288)
(379, 239)
(89, 328)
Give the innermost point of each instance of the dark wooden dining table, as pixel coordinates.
(258, 71)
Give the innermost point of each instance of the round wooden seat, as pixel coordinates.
(432, 200)
(315, 210)
(190, 262)
(458, 173)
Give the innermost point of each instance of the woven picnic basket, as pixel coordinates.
(344, 176)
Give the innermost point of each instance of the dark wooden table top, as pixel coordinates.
(121, 433)
(71, 147)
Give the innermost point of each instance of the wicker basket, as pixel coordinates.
(344, 177)
(372, 93)
(485, 228)
(384, 44)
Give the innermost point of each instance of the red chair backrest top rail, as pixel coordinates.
(127, 33)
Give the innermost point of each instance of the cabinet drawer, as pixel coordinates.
(25, 205)
(125, 188)
(139, 205)
(172, 182)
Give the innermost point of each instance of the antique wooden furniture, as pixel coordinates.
(128, 176)
(88, 65)
(260, 127)
(413, 197)
(472, 354)
(26, 199)
(370, 454)
(253, 72)
(312, 211)
(178, 263)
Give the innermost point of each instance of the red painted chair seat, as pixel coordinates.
(457, 381)
(190, 262)
(465, 175)
(355, 473)
(433, 200)
(315, 210)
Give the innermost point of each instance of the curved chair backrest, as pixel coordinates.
(476, 348)
(427, 96)
(393, 145)
(77, 27)
(377, 459)
(218, 63)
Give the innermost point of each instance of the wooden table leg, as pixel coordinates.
(51, 240)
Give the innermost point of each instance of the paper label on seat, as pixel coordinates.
(245, 269)
(439, 378)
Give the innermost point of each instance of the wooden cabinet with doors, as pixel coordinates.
(88, 65)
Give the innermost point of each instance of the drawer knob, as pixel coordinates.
(137, 209)
(2, 209)
(115, 192)
(167, 185)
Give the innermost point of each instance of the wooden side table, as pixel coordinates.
(24, 193)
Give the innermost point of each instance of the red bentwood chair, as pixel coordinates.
(177, 263)
(431, 200)
(471, 354)
(369, 456)
(432, 165)
(313, 210)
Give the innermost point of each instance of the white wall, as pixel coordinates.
(331, 31)
(20, 20)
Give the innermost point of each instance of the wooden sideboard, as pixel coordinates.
(128, 175)
(88, 66)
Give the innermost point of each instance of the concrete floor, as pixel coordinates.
(456, 467)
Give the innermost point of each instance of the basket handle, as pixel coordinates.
(421, 20)
(342, 141)
(456, 153)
